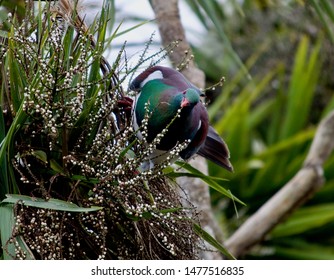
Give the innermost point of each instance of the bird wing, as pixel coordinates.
(216, 150)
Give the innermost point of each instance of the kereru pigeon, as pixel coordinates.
(162, 94)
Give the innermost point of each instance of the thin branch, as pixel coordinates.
(300, 188)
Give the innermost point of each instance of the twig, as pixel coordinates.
(300, 188)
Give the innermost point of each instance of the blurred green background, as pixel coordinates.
(277, 57)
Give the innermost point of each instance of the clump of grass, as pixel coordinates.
(67, 140)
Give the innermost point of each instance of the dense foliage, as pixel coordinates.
(70, 182)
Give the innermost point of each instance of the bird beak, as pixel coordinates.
(184, 102)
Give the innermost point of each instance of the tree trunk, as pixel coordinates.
(171, 30)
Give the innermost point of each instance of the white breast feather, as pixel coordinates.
(153, 76)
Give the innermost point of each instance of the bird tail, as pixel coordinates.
(216, 150)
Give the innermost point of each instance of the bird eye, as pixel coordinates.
(202, 94)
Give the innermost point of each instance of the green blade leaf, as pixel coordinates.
(3, 163)
(300, 249)
(207, 179)
(53, 204)
(306, 219)
(302, 86)
(118, 34)
(212, 241)
(7, 222)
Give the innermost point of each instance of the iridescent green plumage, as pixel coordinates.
(169, 101)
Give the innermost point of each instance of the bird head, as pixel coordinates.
(190, 98)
